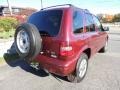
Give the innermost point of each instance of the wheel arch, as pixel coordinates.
(87, 52)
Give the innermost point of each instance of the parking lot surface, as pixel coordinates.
(103, 73)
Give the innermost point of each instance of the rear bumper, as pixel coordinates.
(56, 66)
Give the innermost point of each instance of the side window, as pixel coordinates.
(97, 23)
(77, 22)
(90, 27)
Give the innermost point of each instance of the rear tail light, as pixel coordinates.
(66, 50)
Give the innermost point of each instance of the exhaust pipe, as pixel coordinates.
(35, 65)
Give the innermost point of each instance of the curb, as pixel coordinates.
(6, 40)
(7, 47)
(3, 63)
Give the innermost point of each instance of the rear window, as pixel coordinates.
(47, 22)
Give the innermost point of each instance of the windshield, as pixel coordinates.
(47, 22)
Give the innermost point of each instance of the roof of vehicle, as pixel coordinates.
(58, 7)
(64, 6)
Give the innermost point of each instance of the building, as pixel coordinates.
(108, 17)
(4, 11)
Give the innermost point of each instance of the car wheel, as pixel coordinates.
(27, 41)
(81, 69)
(105, 48)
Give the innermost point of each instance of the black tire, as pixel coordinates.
(105, 48)
(74, 77)
(35, 41)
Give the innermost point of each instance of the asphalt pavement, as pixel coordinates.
(103, 73)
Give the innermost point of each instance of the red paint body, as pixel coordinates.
(64, 65)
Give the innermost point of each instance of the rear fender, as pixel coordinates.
(82, 50)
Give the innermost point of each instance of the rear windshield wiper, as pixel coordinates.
(44, 33)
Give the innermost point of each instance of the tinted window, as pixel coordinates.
(89, 23)
(47, 22)
(97, 23)
(77, 22)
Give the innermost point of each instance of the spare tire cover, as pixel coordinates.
(28, 41)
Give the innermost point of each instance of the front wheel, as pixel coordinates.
(81, 69)
(105, 48)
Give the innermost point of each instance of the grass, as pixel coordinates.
(2, 60)
(6, 35)
(8, 58)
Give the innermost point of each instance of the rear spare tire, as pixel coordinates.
(27, 41)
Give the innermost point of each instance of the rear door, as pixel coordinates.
(91, 34)
(78, 30)
(102, 35)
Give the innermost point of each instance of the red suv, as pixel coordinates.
(61, 39)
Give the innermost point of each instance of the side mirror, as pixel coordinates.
(105, 28)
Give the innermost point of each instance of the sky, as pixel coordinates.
(94, 6)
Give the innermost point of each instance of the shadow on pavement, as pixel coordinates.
(13, 60)
(25, 66)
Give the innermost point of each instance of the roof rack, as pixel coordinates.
(86, 10)
(64, 5)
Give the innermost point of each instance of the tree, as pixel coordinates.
(116, 18)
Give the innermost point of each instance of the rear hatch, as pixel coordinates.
(48, 23)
